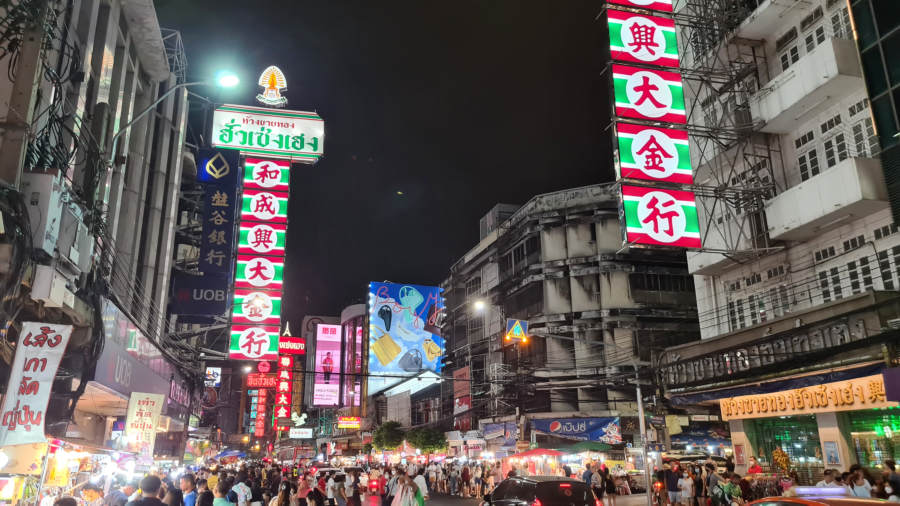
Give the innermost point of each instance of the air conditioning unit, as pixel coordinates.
(43, 193)
(49, 287)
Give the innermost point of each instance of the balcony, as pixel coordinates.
(851, 189)
(771, 16)
(826, 74)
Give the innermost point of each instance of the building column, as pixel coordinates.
(742, 435)
(833, 434)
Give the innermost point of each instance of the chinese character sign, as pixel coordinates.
(404, 332)
(38, 352)
(639, 38)
(217, 235)
(253, 342)
(284, 387)
(256, 307)
(257, 131)
(140, 424)
(663, 217)
(269, 175)
(327, 380)
(653, 5)
(259, 272)
(653, 154)
(648, 94)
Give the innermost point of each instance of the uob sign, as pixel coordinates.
(199, 295)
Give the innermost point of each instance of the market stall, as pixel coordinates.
(535, 462)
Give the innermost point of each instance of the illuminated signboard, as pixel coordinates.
(289, 345)
(327, 378)
(639, 38)
(262, 238)
(256, 307)
(404, 332)
(348, 422)
(300, 433)
(266, 206)
(661, 217)
(273, 84)
(213, 377)
(653, 154)
(257, 131)
(260, 380)
(648, 94)
(272, 175)
(251, 342)
(259, 272)
(655, 5)
(284, 388)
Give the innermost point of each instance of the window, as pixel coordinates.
(815, 38)
(840, 24)
(789, 57)
(473, 286)
(864, 138)
(775, 271)
(751, 303)
(835, 150)
(732, 316)
(753, 279)
(858, 107)
(884, 264)
(804, 139)
(830, 283)
(809, 164)
(824, 254)
(783, 41)
(778, 298)
(740, 314)
(855, 242)
(810, 20)
(886, 231)
(831, 123)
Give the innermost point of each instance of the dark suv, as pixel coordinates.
(541, 491)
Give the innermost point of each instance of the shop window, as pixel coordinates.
(798, 436)
(875, 436)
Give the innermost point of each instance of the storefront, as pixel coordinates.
(829, 425)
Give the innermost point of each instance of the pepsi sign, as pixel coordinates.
(605, 430)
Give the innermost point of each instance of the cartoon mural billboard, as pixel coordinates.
(404, 332)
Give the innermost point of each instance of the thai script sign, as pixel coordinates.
(38, 352)
(859, 393)
(763, 352)
(349, 422)
(586, 429)
(140, 424)
(297, 135)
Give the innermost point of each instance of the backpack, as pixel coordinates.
(717, 495)
(232, 496)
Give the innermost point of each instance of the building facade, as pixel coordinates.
(795, 285)
(596, 313)
(99, 225)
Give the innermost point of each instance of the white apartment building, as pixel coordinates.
(810, 145)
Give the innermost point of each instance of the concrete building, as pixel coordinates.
(595, 312)
(795, 286)
(101, 234)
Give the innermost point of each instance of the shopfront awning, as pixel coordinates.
(587, 446)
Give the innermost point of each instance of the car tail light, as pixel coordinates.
(565, 485)
(537, 502)
(597, 502)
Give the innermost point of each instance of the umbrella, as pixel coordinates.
(231, 453)
(587, 446)
(537, 452)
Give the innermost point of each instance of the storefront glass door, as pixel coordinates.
(798, 436)
(875, 435)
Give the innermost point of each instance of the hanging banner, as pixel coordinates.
(297, 135)
(662, 217)
(140, 423)
(639, 38)
(605, 430)
(648, 94)
(24, 410)
(655, 5)
(653, 154)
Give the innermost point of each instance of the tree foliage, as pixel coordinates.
(426, 439)
(388, 436)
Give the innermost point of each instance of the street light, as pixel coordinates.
(223, 79)
(479, 305)
(247, 368)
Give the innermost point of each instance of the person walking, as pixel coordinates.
(686, 487)
(610, 484)
(219, 494)
(597, 484)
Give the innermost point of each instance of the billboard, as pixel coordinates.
(259, 131)
(462, 400)
(648, 94)
(653, 154)
(327, 378)
(638, 38)
(404, 332)
(661, 217)
(655, 5)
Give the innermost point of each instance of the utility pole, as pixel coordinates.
(640, 403)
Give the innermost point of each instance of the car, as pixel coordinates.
(363, 476)
(818, 496)
(541, 491)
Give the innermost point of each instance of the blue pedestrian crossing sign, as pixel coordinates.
(516, 330)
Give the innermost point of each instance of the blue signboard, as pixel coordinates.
(217, 240)
(199, 295)
(516, 330)
(605, 430)
(404, 332)
(218, 167)
(506, 430)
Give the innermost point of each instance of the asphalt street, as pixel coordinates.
(435, 500)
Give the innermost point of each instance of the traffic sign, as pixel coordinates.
(517, 330)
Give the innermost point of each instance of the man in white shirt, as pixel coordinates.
(419, 480)
(828, 474)
(329, 489)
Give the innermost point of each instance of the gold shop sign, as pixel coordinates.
(859, 393)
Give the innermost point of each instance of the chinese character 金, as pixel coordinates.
(655, 154)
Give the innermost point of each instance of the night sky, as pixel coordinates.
(458, 105)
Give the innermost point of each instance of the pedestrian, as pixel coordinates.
(174, 497)
(242, 490)
(219, 494)
(465, 476)
(121, 495)
(419, 480)
(188, 484)
(92, 495)
(454, 480)
(476, 479)
(671, 475)
(588, 473)
(754, 468)
(827, 479)
(204, 495)
(686, 487)
(892, 479)
(859, 485)
(610, 488)
(284, 495)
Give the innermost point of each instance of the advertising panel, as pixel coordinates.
(648, 94)
(140, 423)
(218, 167)
(199, 295)
(605, 430)
(213, 377)
(353, 354)
(289, 345)
(653, 154)
(642, 38)
(655, 5)
(261, 380)
(662, 217)
(300, 433)
(404, 332)
(327, 380)
(39, 350)
(297, 135)
(348, 422)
